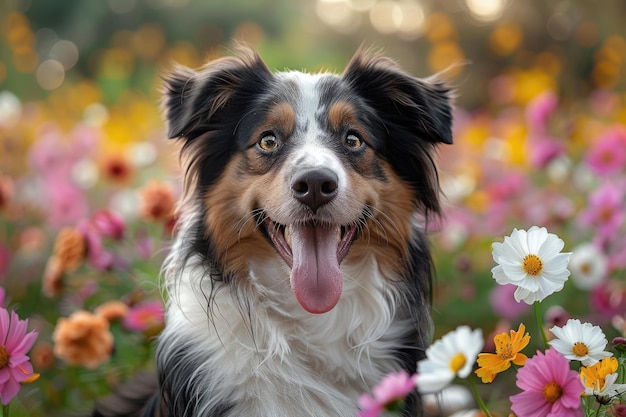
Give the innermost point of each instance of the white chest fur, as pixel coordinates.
(257, 349)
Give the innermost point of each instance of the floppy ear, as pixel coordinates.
(421, 106)
(192, 99)
(413, 115)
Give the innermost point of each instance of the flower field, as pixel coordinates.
(530, 257)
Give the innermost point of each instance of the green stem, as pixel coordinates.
(479, 400)
(598, 409)
(540, 324)
(5, 410)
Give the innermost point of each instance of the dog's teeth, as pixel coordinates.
(288, 235)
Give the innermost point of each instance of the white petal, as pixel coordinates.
(514, 272)
(496, 250)
(550, 247)
(433, 381)
(548, 287)
(522, 294)
(531, 284)
(536, 237)
(556, 263)
(499, 275)
(562, 346)
(516, 244)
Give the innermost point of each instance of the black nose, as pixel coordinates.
(315, 187)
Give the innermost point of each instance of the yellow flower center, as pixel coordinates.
(504, 348)
(552, 392)
(457, 362)
(4, 357)
(585, 268)
(580, 349)
(532, 265)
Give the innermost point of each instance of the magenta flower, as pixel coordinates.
(144, 247)
(387, 394)
(617, 410)
(605, 209)
(503, 302)
(144, 317)
(540, 110)
(543, 150)
(15, 366)
(109, 224)
(608, 153)
(98, 257)
(608, 299)
(550, 387)
(63, 201)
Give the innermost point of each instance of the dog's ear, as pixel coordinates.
(192, 99)
(422, 106)
(413, 114)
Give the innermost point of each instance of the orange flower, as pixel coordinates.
(157, 202)
(52, 282)
(116, 167)
(70, 248)
(112, 310)
(42, 356)
(507, 350)
(83, 339)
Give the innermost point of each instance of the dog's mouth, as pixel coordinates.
(314, 252)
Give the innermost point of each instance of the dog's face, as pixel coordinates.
(314, 170)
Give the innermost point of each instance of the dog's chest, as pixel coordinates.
(278, 360)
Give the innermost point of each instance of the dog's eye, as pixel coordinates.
(352, 141)
(268, 143)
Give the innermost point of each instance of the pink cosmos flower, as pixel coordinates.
(109, 224)
(15, 366)
(608, 299)
(144, 247)
(605, 209)
(608, 154)
(392, 388)
(540, 110)
(504, 304)
(543, 150)
(63, 201)
(144, 317)
(550, 387)
(98, 257)
(617, 410)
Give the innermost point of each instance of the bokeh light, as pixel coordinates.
(50, 74)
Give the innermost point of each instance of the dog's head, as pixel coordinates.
(317, 169)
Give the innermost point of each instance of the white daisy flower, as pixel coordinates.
(582, 342)
(451, 356)
(531, 260)
(588, 265)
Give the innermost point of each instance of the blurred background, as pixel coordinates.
(540, 132)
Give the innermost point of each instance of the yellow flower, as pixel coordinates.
(508, 349)
(600, 379)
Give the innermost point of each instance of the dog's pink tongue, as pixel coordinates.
(315, 277)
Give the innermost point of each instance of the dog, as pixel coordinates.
(301, 273)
